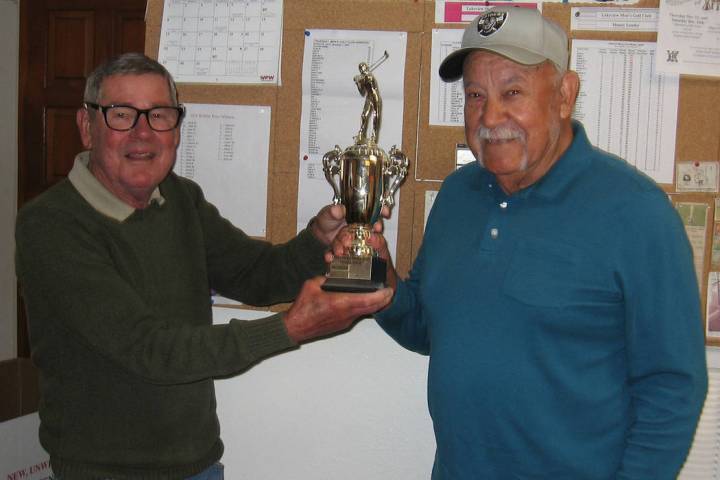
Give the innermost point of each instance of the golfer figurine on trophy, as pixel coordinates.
(364, 178)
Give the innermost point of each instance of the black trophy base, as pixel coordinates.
(356, 275)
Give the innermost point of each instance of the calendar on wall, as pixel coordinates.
(222, 41)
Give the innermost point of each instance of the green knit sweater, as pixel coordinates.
(121, 327)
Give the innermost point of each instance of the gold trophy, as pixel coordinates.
(363, 178)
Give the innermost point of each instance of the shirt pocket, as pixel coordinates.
(559, 275)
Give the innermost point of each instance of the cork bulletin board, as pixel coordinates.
(430, 148)
(698, 126)
(285, 100)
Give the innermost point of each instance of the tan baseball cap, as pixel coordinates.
(521, 34)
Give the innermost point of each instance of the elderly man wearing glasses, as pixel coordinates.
(116, 264)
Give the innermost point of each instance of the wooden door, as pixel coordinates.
(61, 42)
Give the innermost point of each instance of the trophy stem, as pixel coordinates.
(359, 247)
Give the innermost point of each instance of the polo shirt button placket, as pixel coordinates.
(495, 232)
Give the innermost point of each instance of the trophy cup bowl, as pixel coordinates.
(364, 178)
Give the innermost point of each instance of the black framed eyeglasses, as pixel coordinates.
(124, 117)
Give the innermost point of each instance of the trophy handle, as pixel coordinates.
(396, 169)
(331, 167)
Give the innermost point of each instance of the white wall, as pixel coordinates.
(713, 357)
(350, 407)
(9, 30)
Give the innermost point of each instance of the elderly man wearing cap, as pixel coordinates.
(554, 290)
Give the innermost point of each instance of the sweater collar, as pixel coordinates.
(99, 197)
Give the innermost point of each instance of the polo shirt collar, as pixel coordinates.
(99, 197)
(570, 164)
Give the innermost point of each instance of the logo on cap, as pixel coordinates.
(491, 23)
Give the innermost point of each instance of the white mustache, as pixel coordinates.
(501, 133)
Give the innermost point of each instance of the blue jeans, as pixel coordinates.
(215, 472)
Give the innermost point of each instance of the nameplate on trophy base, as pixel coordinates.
(353, 274)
